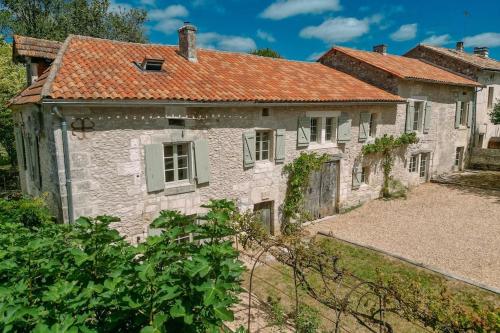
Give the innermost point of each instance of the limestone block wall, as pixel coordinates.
(483, 123)
(108, 165)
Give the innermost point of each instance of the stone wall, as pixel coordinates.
(485, 159)
(108, 163)
(483, 123)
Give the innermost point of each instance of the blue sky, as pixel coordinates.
(303, 29)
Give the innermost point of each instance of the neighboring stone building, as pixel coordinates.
(439, 107)
(131, 129)
(479, 67)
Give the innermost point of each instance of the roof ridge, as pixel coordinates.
(54, 68)
(441, 50)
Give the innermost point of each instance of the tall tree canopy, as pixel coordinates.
(12, 79)
(56, 19)
(267, 52)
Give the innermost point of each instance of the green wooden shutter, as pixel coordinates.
(279, 154)
(304, 131)
(469, 115)
(19, 147)
(201, 159)
(428, 117)
(410, 115)
(344, 133)
(36, 158)
(356, 177)
(155, 170)
(364, 126)
(457, 114)
(249, 149)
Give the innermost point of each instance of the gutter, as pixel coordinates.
(131, 102)
(67, 166)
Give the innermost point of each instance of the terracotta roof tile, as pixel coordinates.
(33, 93)
(482, 63)
(35, 47)
(406, 68)
(91, 68)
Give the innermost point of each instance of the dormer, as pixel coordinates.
(152, 63)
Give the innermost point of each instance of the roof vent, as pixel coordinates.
(481, 52)
(152, 64)
(460, 47)
(382, 49)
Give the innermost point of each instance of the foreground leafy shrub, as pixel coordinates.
(86, 278)
(25, 211)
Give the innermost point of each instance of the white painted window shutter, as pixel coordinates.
(356, 177)
(469, 115)
(364, 126)
(410, 115)
(428, 117)
(304, 131)
(249, 149)
(279, 155)
(344, 133)
(155, 169)
(457, 114)
(202, 163)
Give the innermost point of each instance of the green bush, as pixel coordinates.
(86, 278)
(307, 319)
(30, 213)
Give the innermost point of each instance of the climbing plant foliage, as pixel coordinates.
(86, 278)
(387, 146)
(495, 114)
(298, 173)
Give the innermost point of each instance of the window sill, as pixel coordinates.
(315, 145)
(462, 127)
(179, 188)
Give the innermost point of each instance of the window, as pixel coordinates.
(491, 90)
(176, 157)
(413, 163)
(423, 165)
(464, 111)
(152, 64)
(373, 125)
(314, 129)
(458, 156)
(330, 129)
(418, 116)
(365, 172)
(176, 122)
(262, 145)
(265, 112)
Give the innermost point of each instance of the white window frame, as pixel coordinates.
(413, 166)
(374, 120)
(426, 163)
(459, 153)
(419, 115)
(270, 148)
(321, 138)
(189, 155)
(464, 113)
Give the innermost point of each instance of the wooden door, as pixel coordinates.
(320, 199)
(264, 211)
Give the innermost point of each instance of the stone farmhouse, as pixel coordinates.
(130, 129)
(479, 67)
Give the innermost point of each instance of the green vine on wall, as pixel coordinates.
(298, 173)
(387, 145)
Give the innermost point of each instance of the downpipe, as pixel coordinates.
(67, 166)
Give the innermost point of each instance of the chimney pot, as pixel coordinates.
(460, 47)
(481, 51)
(187, 41)
(382, 49)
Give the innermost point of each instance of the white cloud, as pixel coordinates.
(266, 36)
(337, 30)
(437, 40)
(286, 8)
(489, 39)
(405, 32)
(148, 2)
(168, 20)
(213, 40)
(315, 56)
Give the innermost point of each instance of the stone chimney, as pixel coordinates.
(187, 41)
(481, 52)
(460, 47)
(382, 49)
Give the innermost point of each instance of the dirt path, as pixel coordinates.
(453, 228)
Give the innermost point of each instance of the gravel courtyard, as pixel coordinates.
(453, 228)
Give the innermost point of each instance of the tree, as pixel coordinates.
(267, 52)
(56, 19)
(495, 114)
(12, 79)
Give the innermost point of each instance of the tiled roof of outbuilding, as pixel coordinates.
(35, 47)
(96, 69)
(406, 68)
(472, 59)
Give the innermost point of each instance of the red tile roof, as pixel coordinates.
(94, 69)
(472, 59)
(35, 47)
(406, 68)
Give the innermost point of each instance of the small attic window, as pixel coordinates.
(152, 64)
